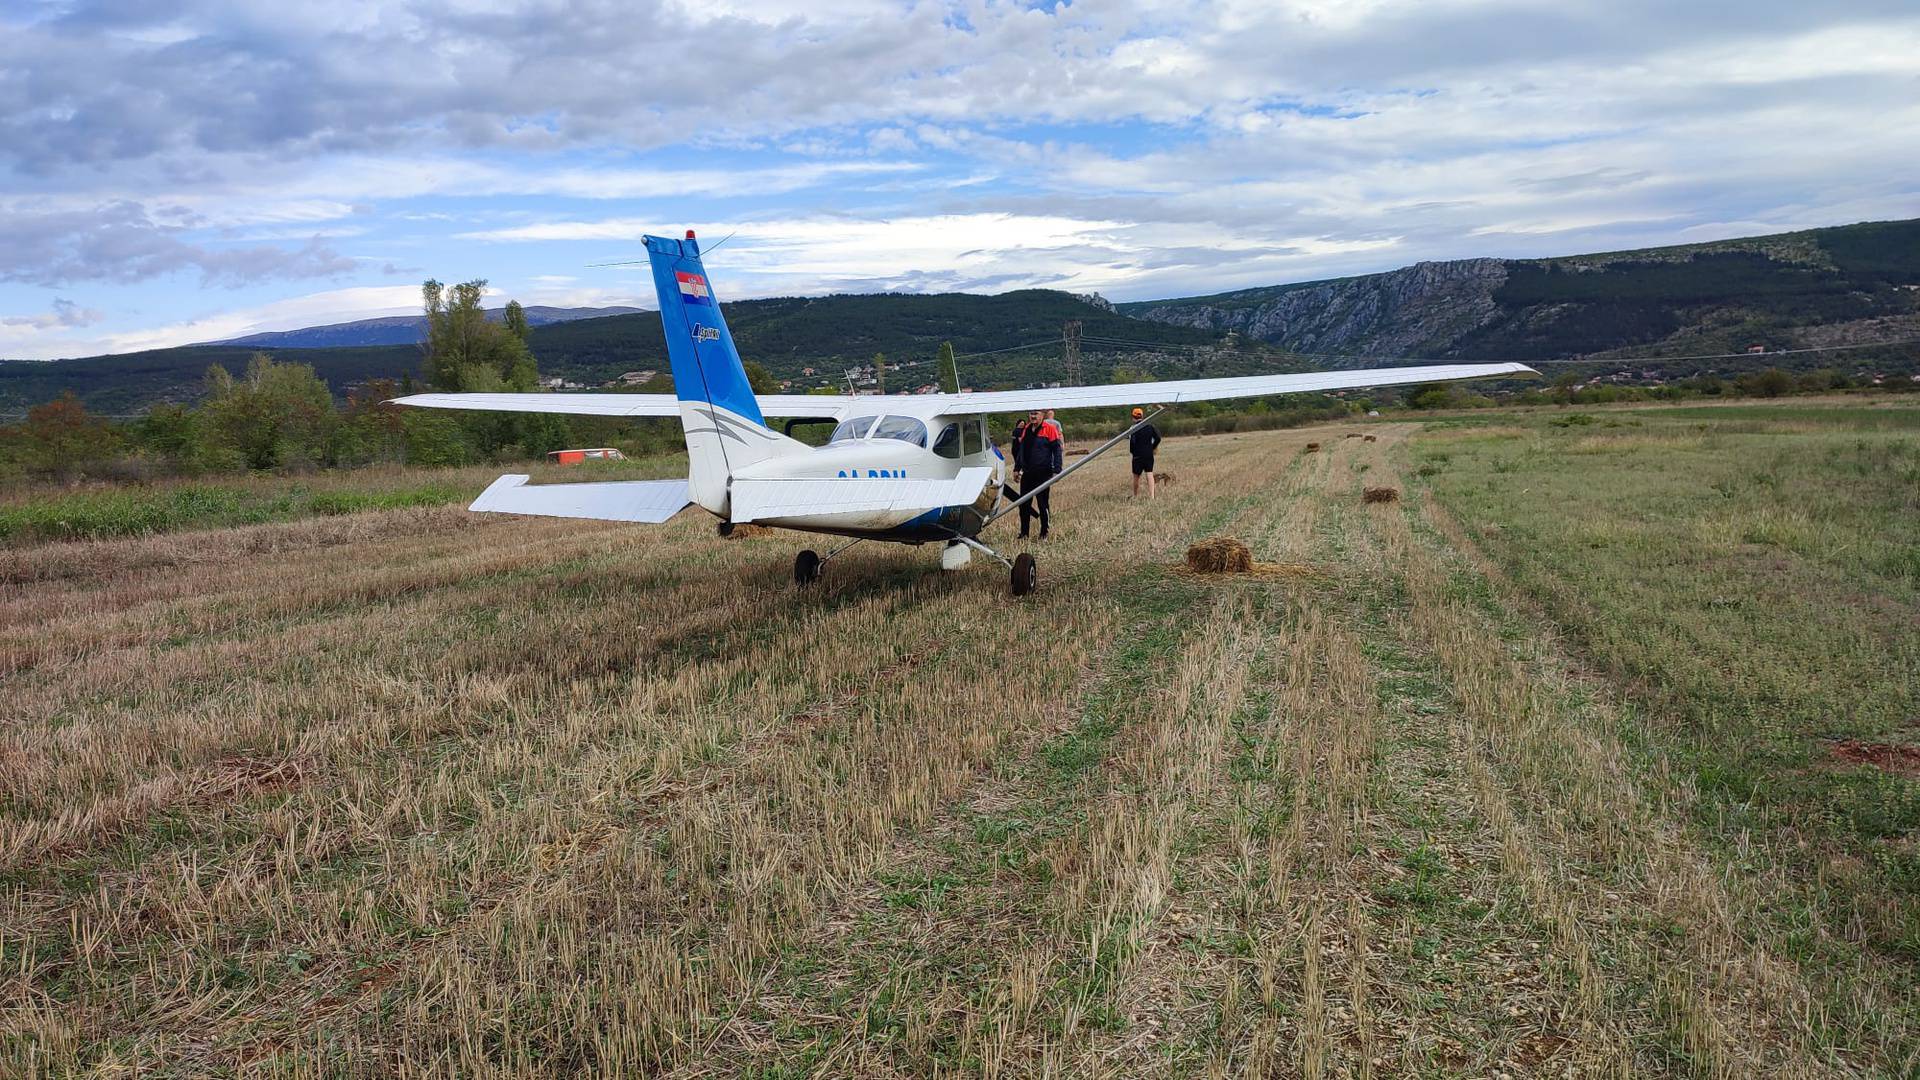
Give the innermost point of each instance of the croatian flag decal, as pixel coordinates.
(693, 288)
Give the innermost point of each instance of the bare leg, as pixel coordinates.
(1136, 485)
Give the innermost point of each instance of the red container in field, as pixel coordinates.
(575, 457)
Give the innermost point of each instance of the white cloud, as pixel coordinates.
(1141, 148)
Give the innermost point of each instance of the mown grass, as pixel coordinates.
(413, 791)
(1754, 574)
(102, 511)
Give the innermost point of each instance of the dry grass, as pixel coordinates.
(413, 792)
(1220, 555)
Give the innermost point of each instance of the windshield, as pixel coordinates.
(904, 428)
(852, 428)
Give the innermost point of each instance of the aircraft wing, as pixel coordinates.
(1178, 390)
(618, 404)
(755, 500)
(648, 501)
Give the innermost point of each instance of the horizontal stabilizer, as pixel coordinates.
(757, 500)
(649, 501)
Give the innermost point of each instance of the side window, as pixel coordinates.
(904, 428)
(969, 441)
(852, 428)
(948, 444)
(981, 439)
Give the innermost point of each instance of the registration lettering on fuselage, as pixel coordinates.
(878, 474)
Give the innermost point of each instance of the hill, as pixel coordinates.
(1816, 287)
(399, 329)
(788, 335)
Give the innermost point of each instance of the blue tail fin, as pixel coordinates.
(706, 366)
(718, 412)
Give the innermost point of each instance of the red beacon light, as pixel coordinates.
(689, 234)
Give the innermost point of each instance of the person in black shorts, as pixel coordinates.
(1143, 442)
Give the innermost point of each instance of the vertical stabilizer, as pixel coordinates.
(724, 428)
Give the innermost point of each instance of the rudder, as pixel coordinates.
(724, 427)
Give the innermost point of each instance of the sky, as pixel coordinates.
(191, 171)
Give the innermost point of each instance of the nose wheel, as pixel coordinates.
(1026, 574)
(806, 568)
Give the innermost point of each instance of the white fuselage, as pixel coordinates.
(873, 458)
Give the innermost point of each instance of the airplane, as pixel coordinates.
(912, 469)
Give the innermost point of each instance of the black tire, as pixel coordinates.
(725, 529)
(1026, 574)
(806, 568)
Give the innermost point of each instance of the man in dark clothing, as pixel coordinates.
(1143, 442)
(1038, 457)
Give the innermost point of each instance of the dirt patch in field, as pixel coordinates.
(1886, 757)
(746, 531)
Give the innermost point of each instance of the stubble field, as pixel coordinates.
(415, 791)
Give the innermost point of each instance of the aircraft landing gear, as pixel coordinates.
(806, 568)
(1026, 574)
(807, 564)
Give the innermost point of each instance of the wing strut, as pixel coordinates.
(1069, 470)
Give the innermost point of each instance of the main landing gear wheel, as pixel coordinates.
(1026, 574)
(806, 568)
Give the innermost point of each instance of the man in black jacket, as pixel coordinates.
(1142, 443)
(1038, 457)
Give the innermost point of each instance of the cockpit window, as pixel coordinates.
(948, 444)
(904, 428)
(854, 427)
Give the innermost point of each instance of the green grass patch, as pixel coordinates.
(1753, 574)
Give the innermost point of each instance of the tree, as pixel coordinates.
(275, 416)
(759, 378)
(370, 430)
(1433, 397)
(515, 320)
(60, 438)
(467, 353)
(1563, 386)
(171, 432)
(1771, 382)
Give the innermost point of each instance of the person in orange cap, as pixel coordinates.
(1143, 442)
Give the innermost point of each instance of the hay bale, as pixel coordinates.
(1220, 555)
(1353, 435)
(1310, 448)
(1372, 438)
(1380, 495)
